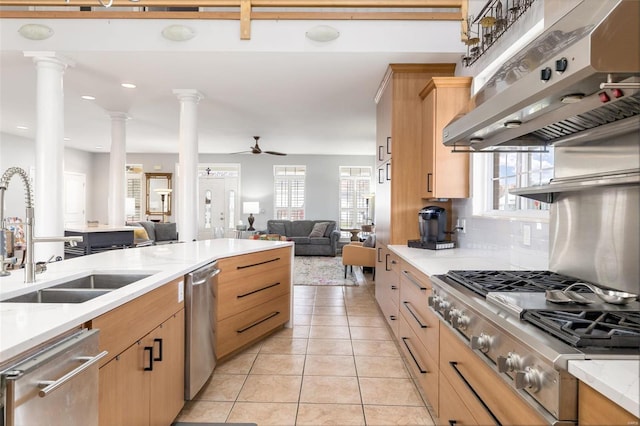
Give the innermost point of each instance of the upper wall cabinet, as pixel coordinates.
(444, 174)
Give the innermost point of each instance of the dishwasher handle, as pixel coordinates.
(204, 274)
(49, 386)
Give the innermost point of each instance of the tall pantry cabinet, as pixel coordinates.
(399, 175)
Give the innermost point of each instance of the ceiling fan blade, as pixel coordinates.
(274, 153)
(242, 152)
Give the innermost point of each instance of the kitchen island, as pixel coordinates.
(24, 326)
(614, 380)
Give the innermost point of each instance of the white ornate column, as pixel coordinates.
(117, 164)
(49, 179)
(187, 191)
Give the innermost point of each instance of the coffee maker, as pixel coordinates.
(432, 222)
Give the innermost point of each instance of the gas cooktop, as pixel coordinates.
(483, 282)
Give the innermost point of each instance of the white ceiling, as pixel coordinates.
(300, 96)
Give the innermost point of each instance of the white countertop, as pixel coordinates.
(616, 379)
(25, 325)
(99, 228)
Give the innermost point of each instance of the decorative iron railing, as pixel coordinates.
(495, 18)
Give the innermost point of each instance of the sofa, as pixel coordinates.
(154, 233)
(311, 237)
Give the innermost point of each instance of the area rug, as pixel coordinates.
(320, 270)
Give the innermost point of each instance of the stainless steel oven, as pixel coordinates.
(505, 319)
(57, 385)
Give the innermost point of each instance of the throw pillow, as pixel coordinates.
(370, 241)
(277, 228)
(318, 230)
(139, 233)
(166, 232)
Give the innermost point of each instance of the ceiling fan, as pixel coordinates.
(257, 150)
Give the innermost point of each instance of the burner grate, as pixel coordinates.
(620, 329)
(483, 282)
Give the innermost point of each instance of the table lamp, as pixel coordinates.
(251, 207)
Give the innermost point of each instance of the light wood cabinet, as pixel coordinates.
(144, 385)
(595, 409)
(147, 332)
(387, 283)
(399, 116)
(251, 299)
(444, 174)
(479, 388)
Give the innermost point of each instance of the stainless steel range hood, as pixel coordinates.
(550, 92)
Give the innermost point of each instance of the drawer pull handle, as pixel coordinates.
(392, 317)
(50, 386)
(454, 365)
(422, 370)
(452, 422)
(257, 264)
(414, 315)
(150, 350)
(413, 280)
(240, 296)
(260, 321)
(159, 341)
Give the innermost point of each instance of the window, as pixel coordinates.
(355, 193)
(289, 192)
(134, 174)
(495, 174)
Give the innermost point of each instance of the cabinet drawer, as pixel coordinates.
(424, 324)
(236, 331)
(473, 380)
(236, 267)
(233, 297)
(452, 410)
(424, 368)
(414, 275)
(124, 325)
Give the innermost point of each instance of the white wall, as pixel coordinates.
(256, 184)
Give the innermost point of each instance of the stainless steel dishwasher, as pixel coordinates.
(200, 358)
(57, 385)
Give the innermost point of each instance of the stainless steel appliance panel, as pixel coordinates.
(200, 357)
(56, 386)
(594, 236)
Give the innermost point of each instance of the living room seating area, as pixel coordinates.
(311, 237)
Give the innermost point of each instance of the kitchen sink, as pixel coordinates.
(102, 281)
(55, 295)
(79, 290)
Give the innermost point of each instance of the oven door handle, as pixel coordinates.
(454, 365)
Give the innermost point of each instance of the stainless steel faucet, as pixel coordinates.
(30, 265)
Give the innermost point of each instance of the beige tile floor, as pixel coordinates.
(338, 365)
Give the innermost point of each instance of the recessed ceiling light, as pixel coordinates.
(99, 147)
(22, 127)
(128, 85)
(88, 97)
(67, 139)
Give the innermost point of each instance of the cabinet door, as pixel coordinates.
(428, 144)
(388, 286)
(124, 388)
(167, 378)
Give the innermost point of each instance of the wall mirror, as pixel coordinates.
(155, 203)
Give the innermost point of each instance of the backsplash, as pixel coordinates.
(525, 248)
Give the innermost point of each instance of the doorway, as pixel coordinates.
(74, 199)
(218, 199)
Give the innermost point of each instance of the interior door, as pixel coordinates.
(74, 199)
(212, 205)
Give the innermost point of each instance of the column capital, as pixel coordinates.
(50, 57)
(117, 115)
(188, 95)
